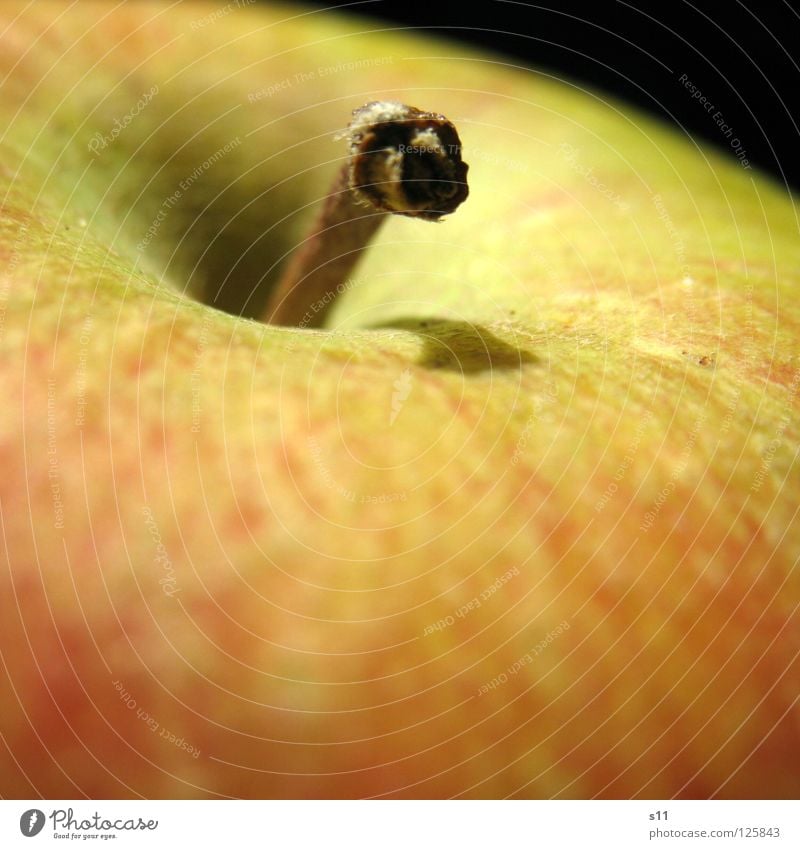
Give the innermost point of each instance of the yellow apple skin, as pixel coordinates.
(525, 525)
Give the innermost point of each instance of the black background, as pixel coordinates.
(744, 58)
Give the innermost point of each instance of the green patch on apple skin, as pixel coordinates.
(588, 374)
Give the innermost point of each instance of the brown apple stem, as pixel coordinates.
(402, 161)
(317, 270)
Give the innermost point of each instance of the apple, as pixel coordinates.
(519, 521)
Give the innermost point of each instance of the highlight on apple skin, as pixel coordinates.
(519, 521)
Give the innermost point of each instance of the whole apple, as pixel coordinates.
(520, 521)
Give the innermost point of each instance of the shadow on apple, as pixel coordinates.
(460, 345)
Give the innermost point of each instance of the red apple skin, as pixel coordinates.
(203, 592)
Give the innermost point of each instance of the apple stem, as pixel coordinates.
(402, 161)
(318, 269)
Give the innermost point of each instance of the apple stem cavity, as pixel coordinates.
(402, 161)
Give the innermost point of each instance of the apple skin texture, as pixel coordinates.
(238, 560)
